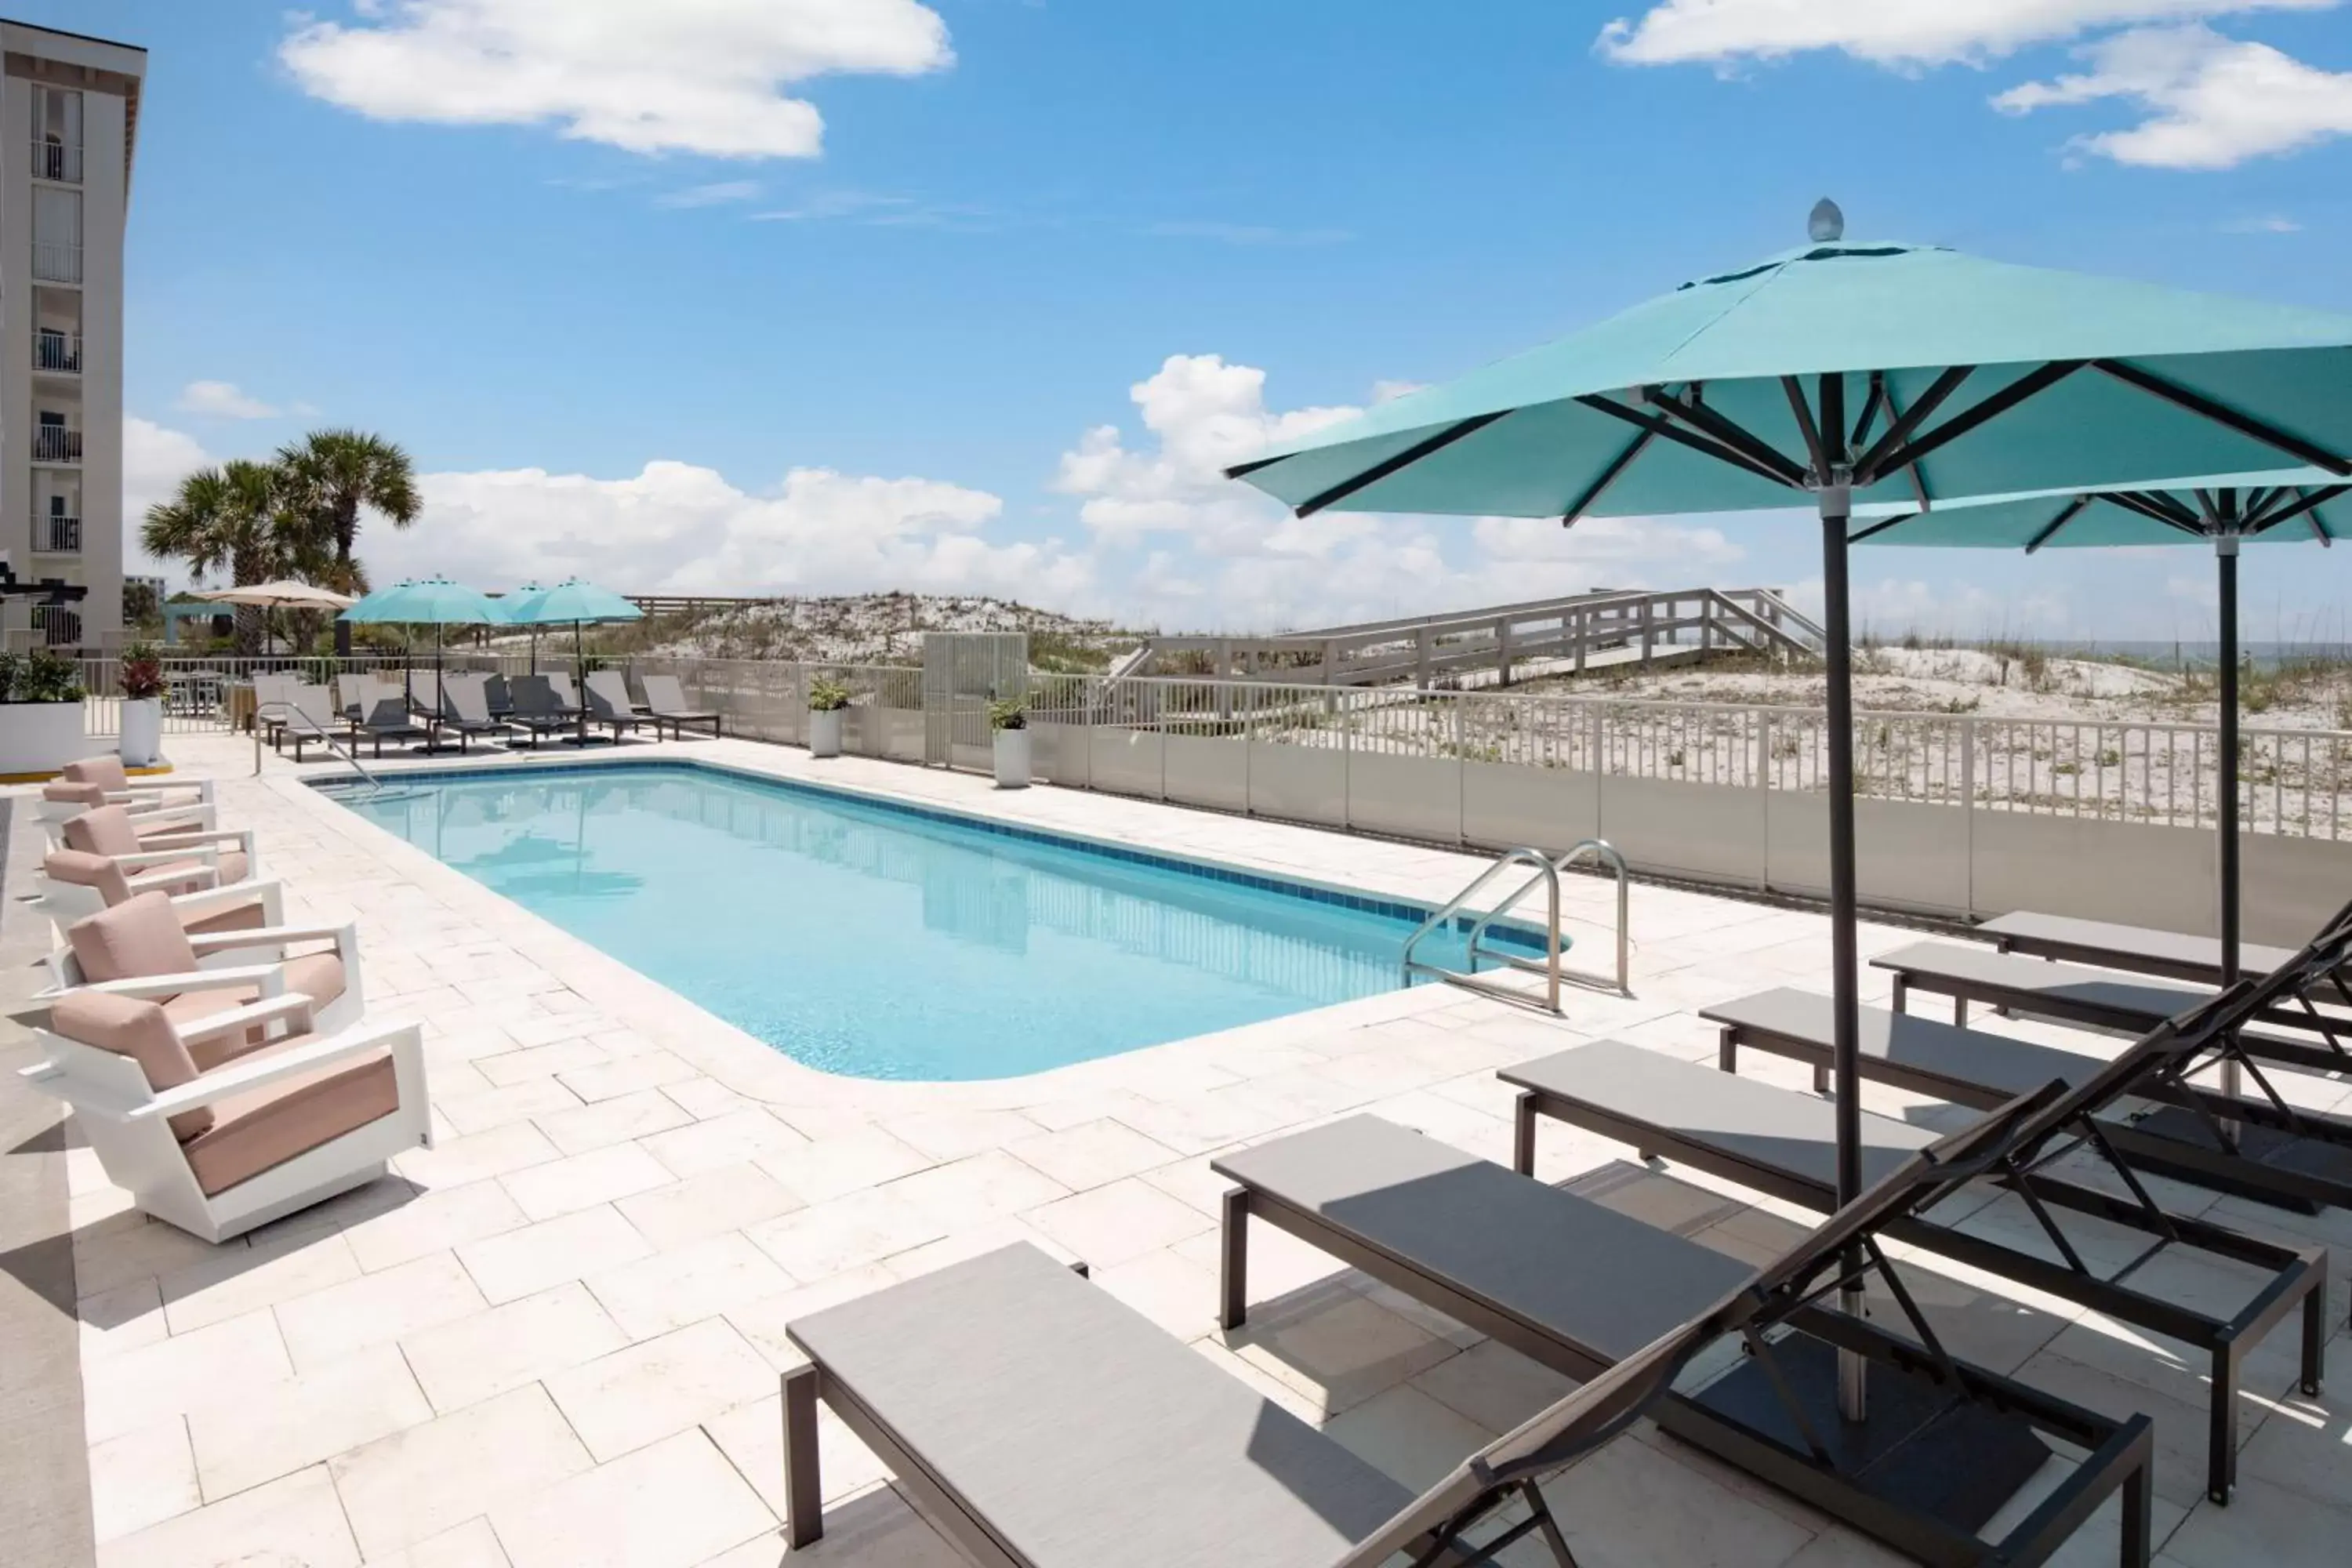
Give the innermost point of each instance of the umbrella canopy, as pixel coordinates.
(1916, 370)
(571, 602)
(1846, 371)
(577, 603)
(430, 602)
(2284, 507)
(282, 595)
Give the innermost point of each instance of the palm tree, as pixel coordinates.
(236, 518)
(333, 475)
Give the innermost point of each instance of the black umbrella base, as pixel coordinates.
(1919, 1448)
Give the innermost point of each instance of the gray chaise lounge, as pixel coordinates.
(2139, 950)
(1576, 1285)
(2255, 1145)
(2098, 999)
(1784, 1144)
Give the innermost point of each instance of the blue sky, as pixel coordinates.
(805, 295)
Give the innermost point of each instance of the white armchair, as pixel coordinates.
(167, 838)
(270, 1130)
(75, 884)
(142, 948)
(117, 788)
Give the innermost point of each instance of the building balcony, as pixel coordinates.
(54, 262)
(57, 352)
(54, 534)
(56, 443)
(58, 161)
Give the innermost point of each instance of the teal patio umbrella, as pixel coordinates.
(582, 604)
(435, 601)
(2290, 505)
(1848, 372)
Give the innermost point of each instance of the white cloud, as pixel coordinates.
(711, 196)
(688, 76)
(2213, 102)
(155, 458)
(1215, 554)
(2269, 223)
(1905, 33)
(223, 400)
(679, 528)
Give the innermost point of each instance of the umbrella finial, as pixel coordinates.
(1827, 223)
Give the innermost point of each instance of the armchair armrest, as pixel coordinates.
(169, 855)
(210, 837)
(269, 977)
(344, 937)
(293, 1007)
(205, 878)
(196, 905)
(238, 1077)
(148, 815)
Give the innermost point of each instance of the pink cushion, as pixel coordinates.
(104, 830)
(84, 870)
(138, 937)
(105, 771)
(140, 1030)
(269, 1126)
(65, 791)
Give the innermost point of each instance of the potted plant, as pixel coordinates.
(1010, 721)
(144, 687)
(40, 713)
(828, 700)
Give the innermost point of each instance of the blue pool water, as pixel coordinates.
(881, 941)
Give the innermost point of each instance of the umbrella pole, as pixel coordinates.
(580, 661)
(2225, 796)
(1837, 654)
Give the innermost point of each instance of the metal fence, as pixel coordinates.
(2295, 782)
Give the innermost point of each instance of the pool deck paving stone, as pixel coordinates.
(553, 1338)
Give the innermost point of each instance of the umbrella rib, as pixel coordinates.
(2074, 508)
(2025, 386)
(1665, 430)
(1600, 487)
(1882, 525)
(1866, 467)
(2307, 505)
(2159, 508)
(2222, 414)
(1918, 475)
(1713, 425)
(1239, 470)
(1406, 458)
(1805, 426)
(1870, 406)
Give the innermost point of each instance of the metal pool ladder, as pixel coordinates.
(1547, 872)
(293, 715)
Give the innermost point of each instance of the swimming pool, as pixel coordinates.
(879, 941)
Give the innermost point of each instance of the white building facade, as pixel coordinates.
(68, 121)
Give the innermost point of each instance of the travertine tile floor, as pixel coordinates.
(553, 1338)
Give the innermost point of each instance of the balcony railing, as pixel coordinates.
(57, 352)
(55, 262)
(56, 443)
(58, 161)
(54, 534)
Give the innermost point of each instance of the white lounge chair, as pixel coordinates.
(117, 788)
(76, 884)
(62, 800)
(271, 1130)
(142, 947)
(206, 856)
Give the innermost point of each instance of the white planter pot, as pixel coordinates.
(142, 731)
(1013, 758)
(825, 732)
(40, 737)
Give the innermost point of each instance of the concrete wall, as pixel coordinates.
(1934, 859)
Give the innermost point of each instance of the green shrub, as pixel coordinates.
(47, 677)
(1008, 713)
(826, 696)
